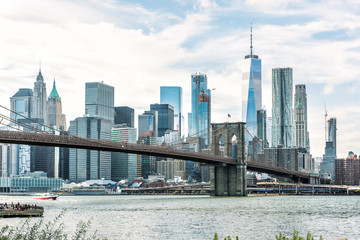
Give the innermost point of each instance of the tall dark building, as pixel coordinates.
(261, 124)
(124, 115)
(165, 117)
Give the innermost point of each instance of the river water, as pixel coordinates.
(200, 217)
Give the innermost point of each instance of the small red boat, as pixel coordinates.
(45, 196)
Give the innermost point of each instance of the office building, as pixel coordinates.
(54, 110)
(165, 117)
(123, 165)
(327, 167)
(251, 90)
(21, 104)
(200, 107)
(174, 97)
(148, 132)
(282, 107)
(171, 168)
(90, 164)
(39, 99)
(19, 155)
(124, 115)
(99, 101)
(148, 122)
(147, 163)
(261, 126)
(300, 109)
(332, 132)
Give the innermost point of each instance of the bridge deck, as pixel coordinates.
(41, 139)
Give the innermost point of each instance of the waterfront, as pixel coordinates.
(199, 217)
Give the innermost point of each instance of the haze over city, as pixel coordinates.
(139, 46)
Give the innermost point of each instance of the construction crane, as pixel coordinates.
(325, 115)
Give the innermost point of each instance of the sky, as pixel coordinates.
(138, 46)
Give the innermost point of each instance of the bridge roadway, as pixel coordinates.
(42, 139)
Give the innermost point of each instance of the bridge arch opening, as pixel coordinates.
(234, 145)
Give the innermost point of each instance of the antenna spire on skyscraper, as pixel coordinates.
(251, 47)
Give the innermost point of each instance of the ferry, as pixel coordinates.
(21, 211)
(45, 196)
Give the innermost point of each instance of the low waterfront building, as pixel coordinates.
(29, 182)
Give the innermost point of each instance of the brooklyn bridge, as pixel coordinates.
(228, 175)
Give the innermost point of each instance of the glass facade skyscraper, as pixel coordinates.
(123, 165)
(89, 164)
(124, 115)
(328, 164)
(99, 101)
(200, 107)
(148, 126)
(173, 96)
(332, 132)
(19, 155)
(282, 107)
(21, 103)
(251, 90)
(261, 125)
(165, 117)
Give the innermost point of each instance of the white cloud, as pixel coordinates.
(137, 50)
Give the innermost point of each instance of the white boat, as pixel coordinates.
(45, 196)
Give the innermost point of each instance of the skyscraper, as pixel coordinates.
(261, 126)
(148, 125)
(148, 122)
(200, 107)
(173, 96)
(19, 155)
(39, 99)
(54, 110)
(89, 164)
(251, 89)
(332, 132)
(99, 101)
(165, 117)
(96, 124)
(21, 103)
(301, 132)
(327, 166)
(124, 115)
(282, 107)
(123, 165)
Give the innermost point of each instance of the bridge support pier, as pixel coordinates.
(228, 180)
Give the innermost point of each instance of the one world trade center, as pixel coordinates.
(251, 91)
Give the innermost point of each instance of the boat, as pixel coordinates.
(21, 211)
(45, 196)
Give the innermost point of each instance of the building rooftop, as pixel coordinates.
(54, 94)
(23, 92)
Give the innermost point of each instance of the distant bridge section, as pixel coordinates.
(41, 139)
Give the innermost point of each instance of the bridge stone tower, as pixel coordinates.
(228, 180)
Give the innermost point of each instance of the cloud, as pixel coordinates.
(137, 49)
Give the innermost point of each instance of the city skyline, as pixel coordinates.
(206, 36)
